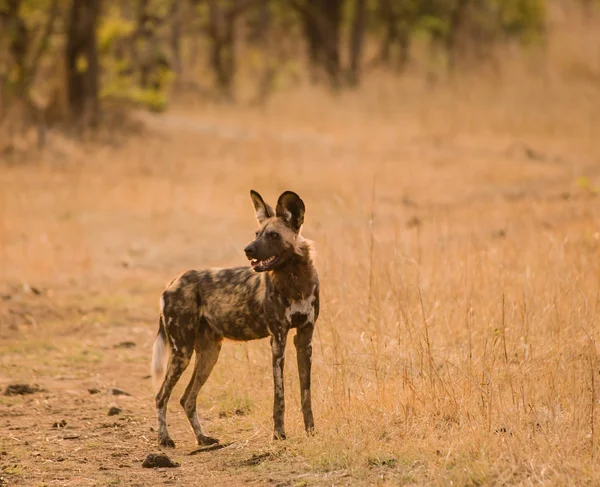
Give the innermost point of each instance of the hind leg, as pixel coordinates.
(180, 331)
(207, 347)
(178, 362)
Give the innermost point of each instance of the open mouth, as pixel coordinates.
(263, 265)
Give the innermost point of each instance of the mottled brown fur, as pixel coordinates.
(280, 291)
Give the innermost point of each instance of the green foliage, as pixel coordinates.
(119, 83)
(26, 29)
(433, 25)
(135, 56)
(521, 19)
(118, 46)
(111, 30)
(34, 11)
(584, 183)
(524, 19)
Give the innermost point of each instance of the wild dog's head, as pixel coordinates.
(277, 237)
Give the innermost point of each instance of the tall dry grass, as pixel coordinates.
(459, 250)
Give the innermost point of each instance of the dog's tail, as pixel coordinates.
(160, 354)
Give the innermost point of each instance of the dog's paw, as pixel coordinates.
(279, 435)
(166, 442)
(207, 440)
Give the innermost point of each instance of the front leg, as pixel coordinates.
(278, 349)
(303, 342)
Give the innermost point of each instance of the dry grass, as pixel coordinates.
(458, 230)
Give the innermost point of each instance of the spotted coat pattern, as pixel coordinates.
(200, 308)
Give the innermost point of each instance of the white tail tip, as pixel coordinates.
(159, 361)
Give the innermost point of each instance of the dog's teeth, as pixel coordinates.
(256, 262)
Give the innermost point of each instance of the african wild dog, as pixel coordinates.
(279, 291)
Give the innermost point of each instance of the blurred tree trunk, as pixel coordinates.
(312, 35)
(144, 38)
(332, 14)
(261, 26)
(388, 16)
(222, 56)
(259, 23)
(399, 20)
(322, 24)
(18, 44)
(81, 62)
(149, 47)
(356, 41)
(404, 42)
(176, 27)
(222, 33)
(24, 46)
(456, 20)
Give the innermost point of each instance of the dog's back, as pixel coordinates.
(231, 301)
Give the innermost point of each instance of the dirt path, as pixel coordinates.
(87, 244)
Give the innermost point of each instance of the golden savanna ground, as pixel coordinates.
(458, 231)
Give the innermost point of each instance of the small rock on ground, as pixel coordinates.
(115, 391)
(21, 389)
(113, 411)
(159, 460)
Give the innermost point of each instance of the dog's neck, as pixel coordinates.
(296, 278)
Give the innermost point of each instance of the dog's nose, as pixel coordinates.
(250, 250)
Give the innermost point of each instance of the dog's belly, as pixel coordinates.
(241, 329)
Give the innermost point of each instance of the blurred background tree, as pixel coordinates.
(62, 61)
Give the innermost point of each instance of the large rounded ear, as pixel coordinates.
(290, 208)
(263, 211)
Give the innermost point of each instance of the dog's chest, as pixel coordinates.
(299, 312)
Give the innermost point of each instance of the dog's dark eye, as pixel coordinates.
(273, 235)
(256, 233)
